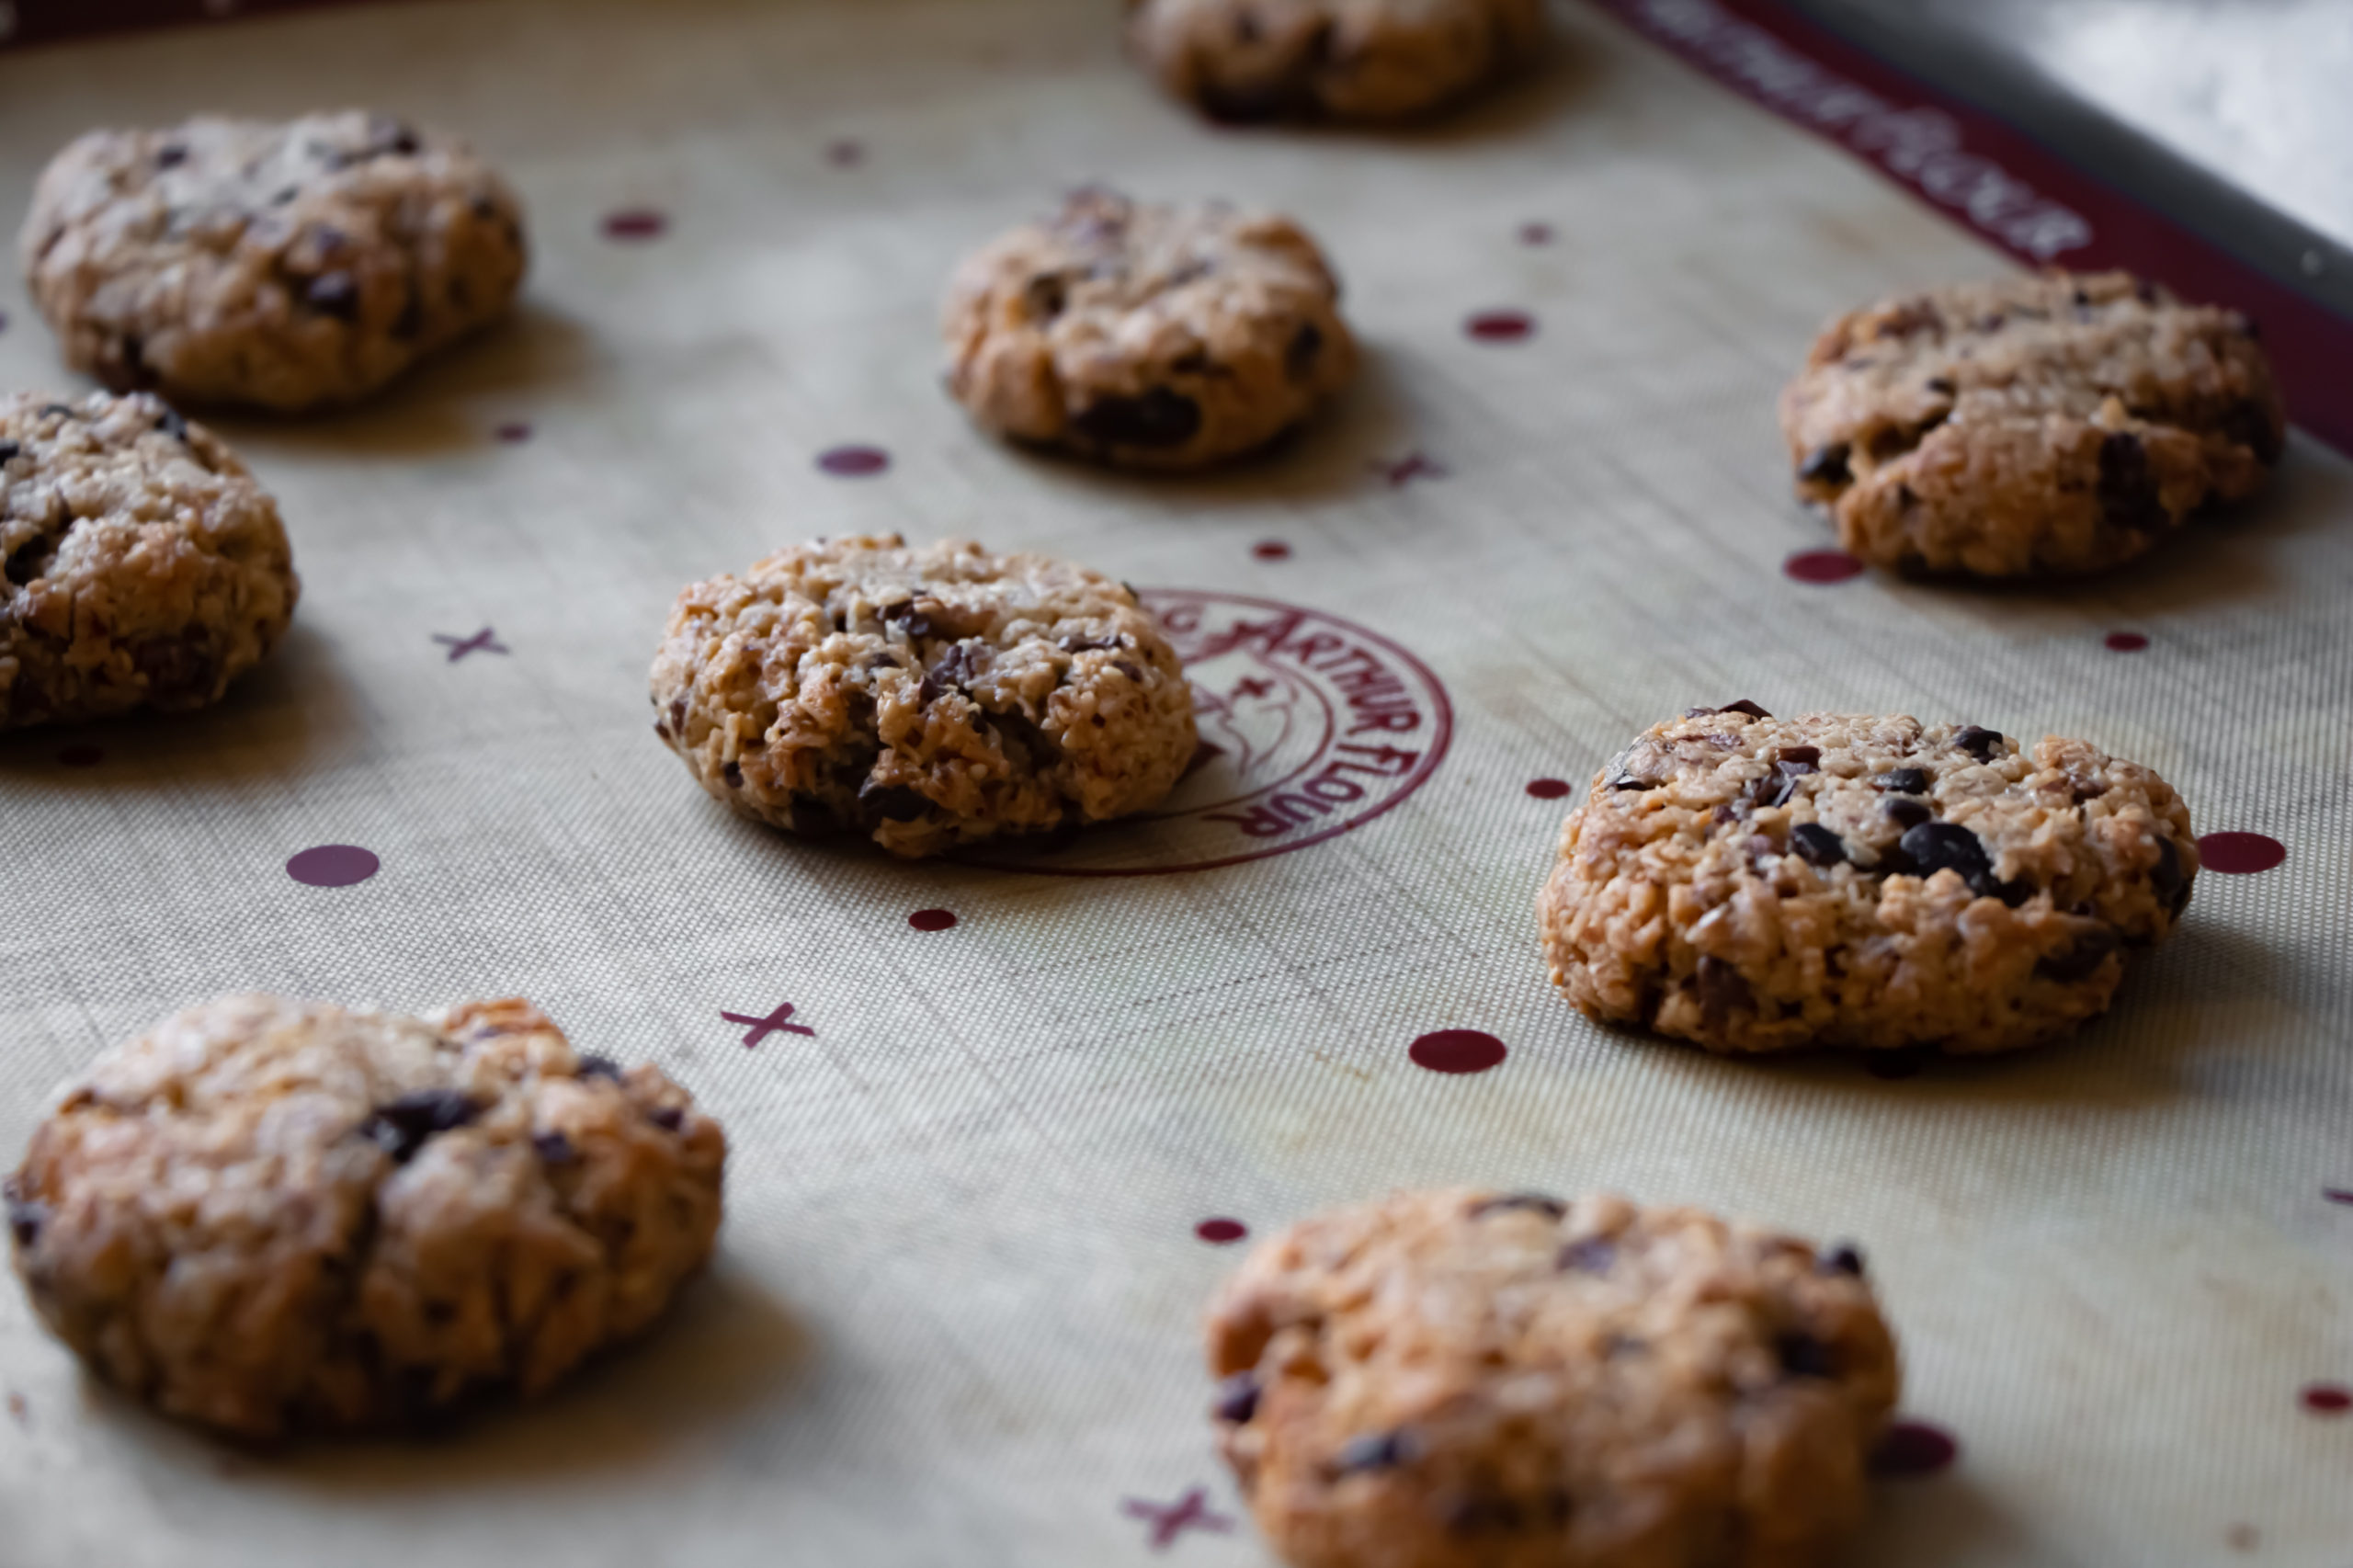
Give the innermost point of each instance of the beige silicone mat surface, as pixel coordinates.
(954, 1322)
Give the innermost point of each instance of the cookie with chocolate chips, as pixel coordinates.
(140, 567)
(1467, 1377)
(1753, 884)
(284, 266)
(922, 697)
(1145, 335)
(1358, 59)
(270, 1217)
(2032, 427)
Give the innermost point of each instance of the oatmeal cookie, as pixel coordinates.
(926, 698)
(1486, 1379)
(285, 265)
(1145, 335)
(1362, 60)
(2033, 427)
(1754, 885)
(268, 1217)
(144, 568)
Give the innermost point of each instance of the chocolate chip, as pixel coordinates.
(1907, 813)
(891, 803)
(1803, 1356)
(1237, 1398)
(402, 1127)
(1942, 385)
(1374, 1450)
(2081, 960)
(333, 294)
(170, 155)
(733, 774)
(31, 559)
(591, 1065)
(1827, 465)
(1538, 1202)
(2129, 497)
(1978, 741)
(171, 424)
(1723, 990)
(1592, 1255)
(1078, 644)
(1305, 345)
(1159, 418)
(8, 449)
(1046, 295)
(178, 666)
(1744, 706)
(1628, 781)
(1816, 844)
(386, 134)
(2165, 876)
(2250, 425)
(1844, 1258)
(1903, 781)
(553, 1148)
(1800, 760)
(903, 614)
(1934, 847)
(949, 674)
(669, 1118)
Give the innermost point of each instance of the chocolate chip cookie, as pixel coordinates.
(283, 265)
(1753, 883)
(2031, 426)
(923, 697)
(1145, 335)
(1497, 1379)
(268, 1217)
(143, 567)
(1363, 59)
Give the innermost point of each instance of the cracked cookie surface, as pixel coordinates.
(924, 698)
(1754, 885)
(1362, 60)
(143, 567)
(1150, 337)
(269, 1217)
(1451, 1379)
(2035, 425)
(284, 265)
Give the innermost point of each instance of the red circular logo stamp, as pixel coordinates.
(1309, 726)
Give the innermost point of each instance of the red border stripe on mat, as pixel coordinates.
(46, 21)
(2007, 189)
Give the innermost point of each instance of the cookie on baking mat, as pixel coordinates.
(2032, 427)
(143, 567)
(270, 1217)
(926, 698)
(1147, 335)
(1366, 60)
(282, 265)
(1462, 1378)
(1753, 883)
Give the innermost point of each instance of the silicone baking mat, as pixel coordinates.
(995, 1128)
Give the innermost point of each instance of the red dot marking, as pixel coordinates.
(2126, 641)
(932, 919)
(2240, 854)
(1271, 550)
(1822, 566)
(1221, 1232)
(1456, 1050)
(853, 463)
(333, 866)
(635, 223)
(1548, 788)
(2337, 1194)
(513, 432)
(1914, 1447)
(844, 153)
(1501, 326)
(2328, 1399)
(1536, 234)
(80, 756)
